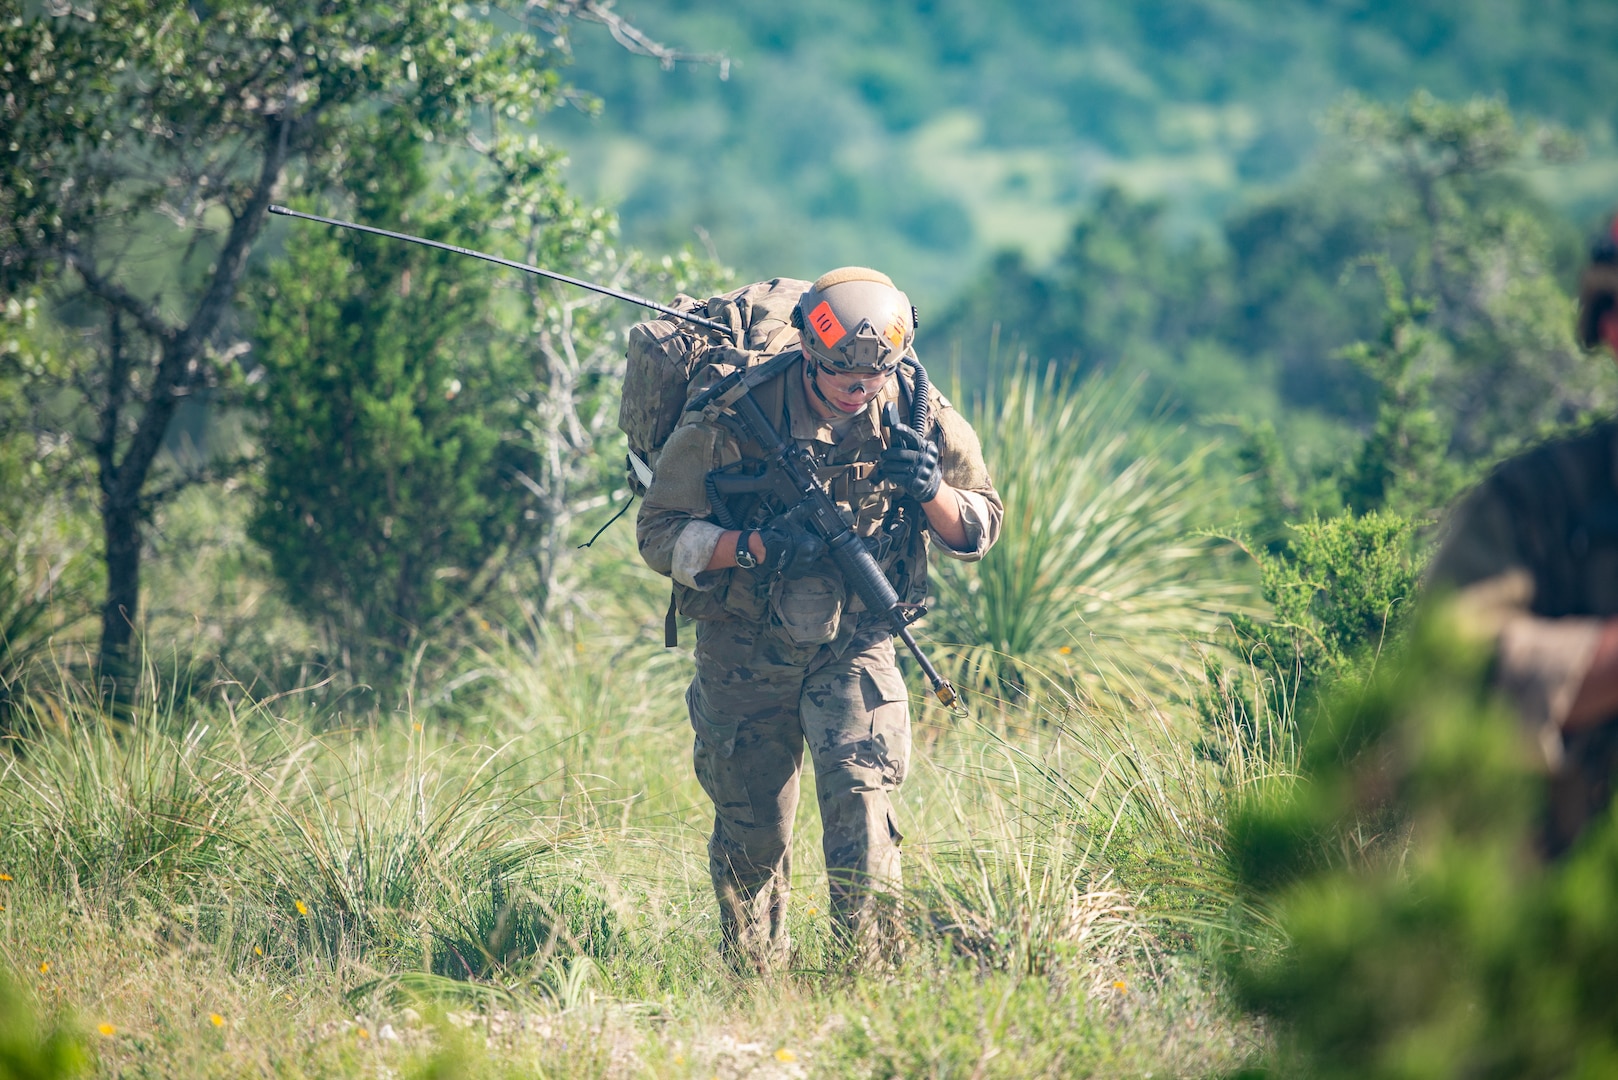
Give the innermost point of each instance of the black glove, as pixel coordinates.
(789, 548)
(911, 461)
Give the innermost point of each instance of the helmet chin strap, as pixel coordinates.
(814, 382)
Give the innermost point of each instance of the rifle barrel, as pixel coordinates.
(943, 689)
(605, 290)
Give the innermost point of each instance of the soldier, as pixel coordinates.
(785, 654)
(1532, 555)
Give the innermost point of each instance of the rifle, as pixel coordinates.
(790, 474)
(791, 468)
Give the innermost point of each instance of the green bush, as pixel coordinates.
(1339, 594)
(390, 422)
(27, 1052)
(1423, 938)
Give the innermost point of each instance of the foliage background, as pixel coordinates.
(1233, 338)
(923, 135)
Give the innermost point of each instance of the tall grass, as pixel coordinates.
(1101, 570)
(525, 847)
(560, 873)
(375, 847)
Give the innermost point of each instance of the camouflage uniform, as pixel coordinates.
(784, 662)
(1532, 556)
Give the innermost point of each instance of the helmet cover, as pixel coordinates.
(855, 319)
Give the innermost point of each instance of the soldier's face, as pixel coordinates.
(849, 392)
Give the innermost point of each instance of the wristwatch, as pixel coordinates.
(744, 550)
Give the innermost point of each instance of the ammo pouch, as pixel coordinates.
(807, 610)
(741, 594)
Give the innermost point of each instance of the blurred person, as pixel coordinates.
(1532, 558)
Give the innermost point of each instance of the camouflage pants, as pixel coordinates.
(754, 704)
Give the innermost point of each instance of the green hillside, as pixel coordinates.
(921, 135)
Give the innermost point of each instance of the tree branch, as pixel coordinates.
(121, 299)
(182, 348)
(243, 230)
(207, 474)
(626, 34)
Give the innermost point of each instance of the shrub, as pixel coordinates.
(1423, 938)
(28, 1053)
(390, 424)
(1339, 592)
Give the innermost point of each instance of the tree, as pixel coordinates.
(148, 137)
(151, 136)
(428, 423)
(387, 417)
(1469, 236)
(1119, 292)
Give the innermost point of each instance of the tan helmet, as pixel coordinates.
(1598, 286)
(855, 319)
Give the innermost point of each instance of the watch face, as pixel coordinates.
(744, 553)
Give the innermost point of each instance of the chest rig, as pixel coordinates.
(892, 526)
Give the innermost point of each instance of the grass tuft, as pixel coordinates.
(1101, 565)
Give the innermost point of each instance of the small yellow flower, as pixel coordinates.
(44, 966)
(814, 911)
(784, 1055)
(5, 877)
(679, 1059)
(364, 1034)
(1065, 650)
(1120, 986)
(107, 1029)
(257, 951)
(415, 726)
(302, 909)
(216, 1020)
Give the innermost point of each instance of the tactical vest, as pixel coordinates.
(892, 525)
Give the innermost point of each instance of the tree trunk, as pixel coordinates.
(179, 347)
(115, 666)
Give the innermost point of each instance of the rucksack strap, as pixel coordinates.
(713, 407)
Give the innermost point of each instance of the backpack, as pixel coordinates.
(663, 355)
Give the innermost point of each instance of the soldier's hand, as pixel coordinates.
(911, 460)
(789, 548)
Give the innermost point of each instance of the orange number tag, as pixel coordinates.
(824, 320)
(896, 331)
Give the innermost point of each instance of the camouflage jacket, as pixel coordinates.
(677, 526)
